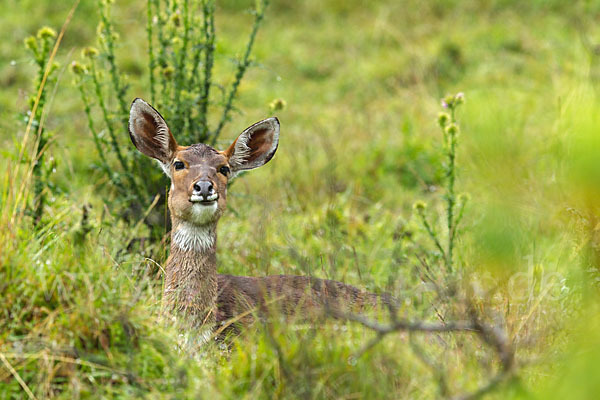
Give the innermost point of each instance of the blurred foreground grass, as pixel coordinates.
(362, 81)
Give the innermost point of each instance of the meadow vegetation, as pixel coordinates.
(357, 87)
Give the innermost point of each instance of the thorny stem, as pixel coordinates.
(42, 139)
(432, 234)
(450, 195)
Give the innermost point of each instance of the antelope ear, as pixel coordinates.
(255, 146)
(150, 134)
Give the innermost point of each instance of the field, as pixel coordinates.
(357, 87)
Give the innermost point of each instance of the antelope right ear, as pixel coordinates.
(150, 134)
(255, 146)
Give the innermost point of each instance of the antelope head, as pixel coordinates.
(199, 173)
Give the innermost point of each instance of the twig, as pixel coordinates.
(405, 325)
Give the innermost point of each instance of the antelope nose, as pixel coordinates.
(204, 189)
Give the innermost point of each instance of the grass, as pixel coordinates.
(359, 145)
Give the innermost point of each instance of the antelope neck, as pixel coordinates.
(191, 271)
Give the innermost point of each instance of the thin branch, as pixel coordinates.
(405, 325)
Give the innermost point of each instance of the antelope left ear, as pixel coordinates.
(255, 146)
(150, 134)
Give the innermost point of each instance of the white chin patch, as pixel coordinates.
(202, 214)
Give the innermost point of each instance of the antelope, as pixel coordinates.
(197, 198)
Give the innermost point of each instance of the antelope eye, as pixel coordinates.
(179, 165)
(224, 170)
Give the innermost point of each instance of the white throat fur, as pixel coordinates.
(193, 237)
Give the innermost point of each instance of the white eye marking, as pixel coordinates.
(165, 168)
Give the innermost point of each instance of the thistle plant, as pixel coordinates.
(181, 40)
(455, 205)
(40, 47)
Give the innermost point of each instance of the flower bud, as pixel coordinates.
(448, 101)
(77, 68)
(30, 43)
(55, 65)
(168, 71)
(452, 129)
(277, 105)
(176, 19)
(90, 52)
(443, 119)
(419, 206)
(46, 33)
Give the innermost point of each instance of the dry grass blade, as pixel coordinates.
(17, 377)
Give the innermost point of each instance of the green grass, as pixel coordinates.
(80, 315)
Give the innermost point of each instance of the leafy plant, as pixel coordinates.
(455, 205)
(40, 47)
(181, 41)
